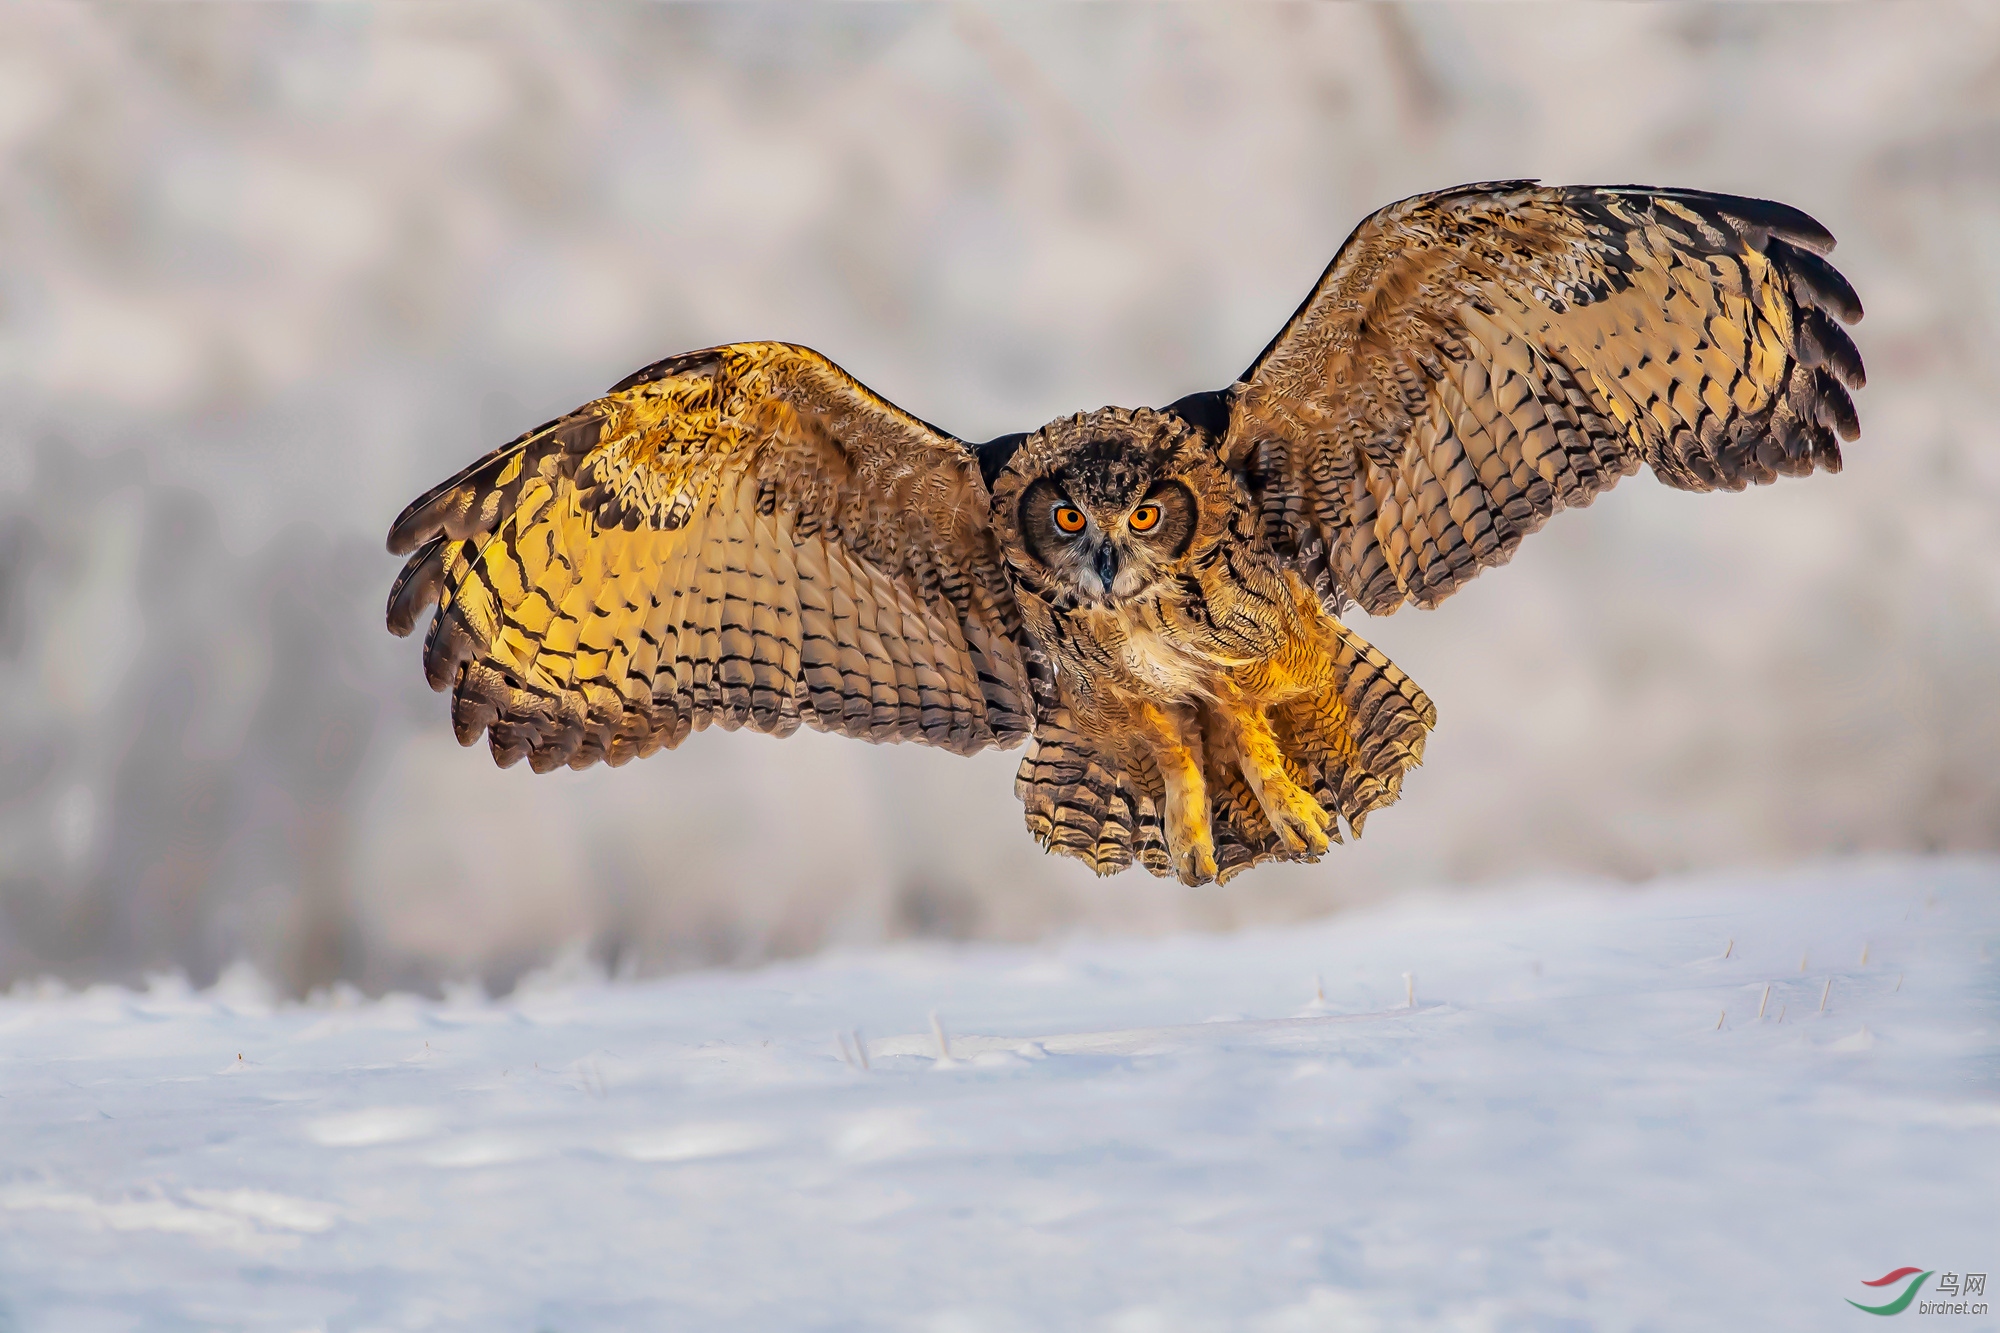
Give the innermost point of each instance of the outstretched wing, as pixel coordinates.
(738, 536)
(1476, 359)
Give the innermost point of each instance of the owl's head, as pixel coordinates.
(1103, 505)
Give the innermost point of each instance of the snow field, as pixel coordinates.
(1581, 1122)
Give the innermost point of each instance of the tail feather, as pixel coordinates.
(1083, 803)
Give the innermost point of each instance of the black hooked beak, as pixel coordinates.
(1107, 565)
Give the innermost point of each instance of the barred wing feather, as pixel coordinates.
(1476, 359)
(741, 536)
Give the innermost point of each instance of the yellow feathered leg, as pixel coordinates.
(1299, 821)
(1173, 734)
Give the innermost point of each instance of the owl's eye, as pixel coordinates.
(1069, 519)
(1145, 518)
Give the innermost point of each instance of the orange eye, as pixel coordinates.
(1145, 518)
(1069, 519)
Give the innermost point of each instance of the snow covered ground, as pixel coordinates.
(1581, 1123)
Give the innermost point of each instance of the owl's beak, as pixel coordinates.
(1107, 565)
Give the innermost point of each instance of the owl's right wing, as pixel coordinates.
(1475, 359)
(739, 536)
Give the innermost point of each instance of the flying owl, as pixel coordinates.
(1149, 598)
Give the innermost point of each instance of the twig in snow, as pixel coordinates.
(1864, 955)
(840, 1045)
(1781, 1013)
(1823, 994)
(1409, 990)
(937, 1030)
(1761, 1003)
(861, 1049)
(1319, 989)
(1802, 960)
(1732, 947)
(1899, 983)
(1718, 1022)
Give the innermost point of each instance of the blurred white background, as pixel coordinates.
(267, 272)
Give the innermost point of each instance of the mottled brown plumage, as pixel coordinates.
(746, 535)
(736, 536)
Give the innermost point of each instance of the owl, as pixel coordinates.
(1150, 599)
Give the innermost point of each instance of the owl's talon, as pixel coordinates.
(1296, 818)
(1196, 865)
(1302, 826)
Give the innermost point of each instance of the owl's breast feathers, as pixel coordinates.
(1185, 637)
(1143, 648)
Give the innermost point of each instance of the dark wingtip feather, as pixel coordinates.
(1767, 215)
(426, 516)
(1821, 280)
(1781, 220)
(413, 526)
(449, 506)
(1836, 409)
(1824, 343)
(416, 588)
(446, 648)
(1760, 215)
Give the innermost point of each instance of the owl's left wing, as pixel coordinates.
(1475, 359)
(740, 536)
